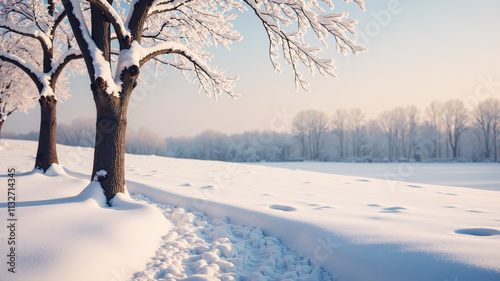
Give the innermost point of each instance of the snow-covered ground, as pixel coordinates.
(474, 175)
(245, 222)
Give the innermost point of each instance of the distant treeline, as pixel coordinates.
(445, 131)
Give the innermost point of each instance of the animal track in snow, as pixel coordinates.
(284, 208)
(478, 231)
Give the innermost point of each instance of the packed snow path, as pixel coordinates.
(199, 247)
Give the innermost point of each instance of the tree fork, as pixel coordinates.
(47, 154)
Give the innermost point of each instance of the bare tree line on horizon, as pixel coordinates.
(443, 131)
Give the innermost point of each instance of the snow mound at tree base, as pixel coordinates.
(64, 233)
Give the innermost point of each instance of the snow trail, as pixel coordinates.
(199, 247)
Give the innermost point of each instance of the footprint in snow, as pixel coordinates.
(393, 210)
(475, 211)
(478, 231)
(449, 194)
(414, 186)
(186, 184)
(364, 180)
(323, 207)
(283, 208)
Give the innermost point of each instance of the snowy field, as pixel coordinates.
(208, 220)
(474, 175)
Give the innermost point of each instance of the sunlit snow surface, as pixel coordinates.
(355, 228)
(474, 175)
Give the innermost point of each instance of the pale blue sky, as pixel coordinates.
(430, 50)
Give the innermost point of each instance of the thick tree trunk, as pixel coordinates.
(109, 151)
(46, 154)
(1, 124)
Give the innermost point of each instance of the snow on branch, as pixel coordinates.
(64, 59)
(97, 65)
(212, 81)
(278, 15)
(167, 6)
(202, 24)
(30, 32)
(58, 18)
(114, 17)
(41, 80)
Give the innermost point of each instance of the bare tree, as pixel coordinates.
(434, 114)
(393, 124)
(299, 126)
(318, 126)
(495, 124)
(485, 116)
(339, 124)
(356, 119)
(81, 132)
(455, 116)
(400, 125)
(412, 116)
(387, 123)
(309, 126)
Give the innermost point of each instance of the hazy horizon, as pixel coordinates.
(424, 51)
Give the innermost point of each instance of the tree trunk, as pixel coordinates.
(341, 137)
(390, 149)
(494, 142)
(46, 154)
(1, 124)
(109, 151)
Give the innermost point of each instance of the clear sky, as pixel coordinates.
(427, 50)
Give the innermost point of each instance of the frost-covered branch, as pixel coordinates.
(61, 63)
(277, 16)
(207, 76)
(40, 79)
(29, 32)
(167, 6)
(114, 17)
